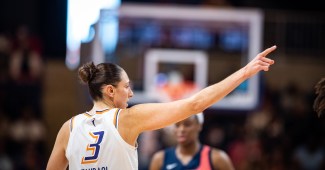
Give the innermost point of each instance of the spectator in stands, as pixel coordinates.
(26, 68)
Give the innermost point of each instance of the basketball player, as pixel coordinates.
(319, 102)
(105, 137)
(189, 152)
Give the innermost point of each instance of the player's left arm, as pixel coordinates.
(58, 160)
(220, 160)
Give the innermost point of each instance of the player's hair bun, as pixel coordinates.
(87, 72)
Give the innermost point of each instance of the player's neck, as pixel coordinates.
(102, 105)
(189, 149)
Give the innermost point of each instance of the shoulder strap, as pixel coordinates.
(205, 163)
(115, 120)
(71, 123)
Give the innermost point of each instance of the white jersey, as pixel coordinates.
(95, 143)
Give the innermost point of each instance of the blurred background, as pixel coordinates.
(39, 89)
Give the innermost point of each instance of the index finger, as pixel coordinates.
(268, 50)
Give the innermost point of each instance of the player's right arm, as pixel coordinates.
(157, 161)
(151, 116)
(58, 160)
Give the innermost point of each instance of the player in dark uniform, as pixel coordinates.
(189, 152)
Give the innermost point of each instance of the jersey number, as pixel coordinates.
(94, 148)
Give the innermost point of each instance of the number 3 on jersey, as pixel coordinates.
(94, 147)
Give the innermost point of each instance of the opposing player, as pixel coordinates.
(189, 153)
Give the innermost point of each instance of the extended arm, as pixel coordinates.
(153, 116)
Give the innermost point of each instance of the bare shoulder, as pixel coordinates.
(65, 128)
(64, 134)
(221, 160)
(219, 154)
(57, 159)
(157, 160)
(159, 156)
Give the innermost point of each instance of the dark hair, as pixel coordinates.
(319, 103)
(97, 76)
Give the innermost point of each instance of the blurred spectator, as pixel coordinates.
(5, 161)
(310, 155)
(215, 136)
(295, 113)
(4, 57)
(26, 63)
(292, 101)
(149, 144)
(246, 153)
(4, 67)
(275, 159)
(4, 124)
(26, 68)
(27, 127)
(31, 159)
(27, 134)
(152, 141)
